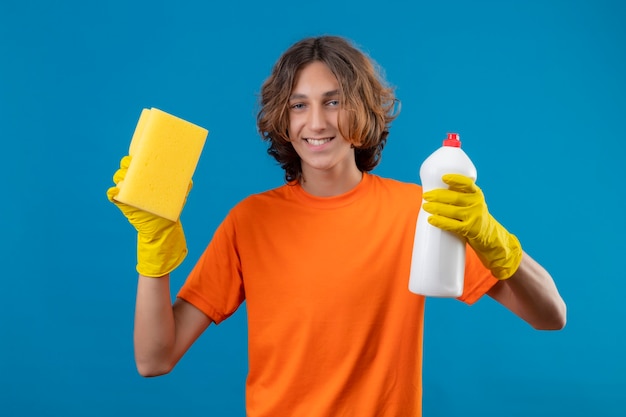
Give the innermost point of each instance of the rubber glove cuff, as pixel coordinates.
(158, 255)
(501, 252)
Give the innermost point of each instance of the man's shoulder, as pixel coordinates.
(394, 184)
(262, 198)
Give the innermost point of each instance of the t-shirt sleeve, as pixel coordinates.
(215, 284)
(478, 279)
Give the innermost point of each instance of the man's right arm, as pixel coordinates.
(163, 332)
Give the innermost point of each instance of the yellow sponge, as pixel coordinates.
(165, 151)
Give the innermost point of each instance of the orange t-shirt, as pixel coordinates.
(332, 327)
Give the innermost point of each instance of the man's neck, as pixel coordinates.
(329, 184)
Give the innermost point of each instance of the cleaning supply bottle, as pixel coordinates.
(438, 260)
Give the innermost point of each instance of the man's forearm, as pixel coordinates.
(154, 333)
(531, 294)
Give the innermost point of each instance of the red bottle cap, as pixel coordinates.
(453, 139)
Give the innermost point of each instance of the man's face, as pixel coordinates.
(315, 112)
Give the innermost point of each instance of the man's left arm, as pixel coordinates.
(532, 295)
(524, 286)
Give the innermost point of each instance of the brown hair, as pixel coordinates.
(369, 102)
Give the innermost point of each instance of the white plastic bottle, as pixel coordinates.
(438, 261)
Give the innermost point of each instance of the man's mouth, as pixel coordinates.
(317, 142)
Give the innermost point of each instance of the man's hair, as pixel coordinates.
(369, 103)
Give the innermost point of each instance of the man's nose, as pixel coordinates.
(317, 118)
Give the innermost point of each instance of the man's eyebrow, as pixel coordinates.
(298, 96)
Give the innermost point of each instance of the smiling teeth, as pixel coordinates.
(317, 142)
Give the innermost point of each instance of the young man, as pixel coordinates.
(323, 261)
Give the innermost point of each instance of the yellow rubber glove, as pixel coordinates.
(161, 245)
(462, 210)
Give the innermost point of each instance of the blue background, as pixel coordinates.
(536, 89)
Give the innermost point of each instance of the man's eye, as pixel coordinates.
(333, 103)
(297, 106)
